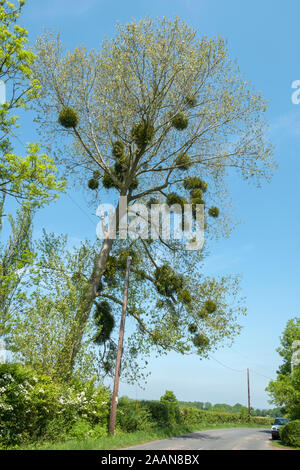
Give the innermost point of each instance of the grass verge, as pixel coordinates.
(282, 446)
(122, 440)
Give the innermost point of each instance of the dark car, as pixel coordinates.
(278, 423)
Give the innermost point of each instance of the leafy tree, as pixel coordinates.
(156, 115)
(290, 334)
(44, 309)
(285, 390)
(30, 177)
(15, 256)
(169, 397)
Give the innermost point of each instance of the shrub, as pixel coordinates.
(290, 433)
(133, 416)
(33, 406)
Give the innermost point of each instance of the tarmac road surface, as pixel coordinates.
(217, 439)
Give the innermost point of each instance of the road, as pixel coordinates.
(217, 439)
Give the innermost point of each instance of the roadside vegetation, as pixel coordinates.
(36, 413)
(285, 390)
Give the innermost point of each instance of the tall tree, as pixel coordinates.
(30, 177)
(285, 390)
(30, 180)
(156, 113)
(290, 334)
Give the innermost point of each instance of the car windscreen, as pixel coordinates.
(281, 421)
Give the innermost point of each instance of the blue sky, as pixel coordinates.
(264, 39)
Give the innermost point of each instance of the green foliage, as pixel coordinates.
(210, 306)
(290, 433)
(121, 166)
(197, 193)
(133, 416)
(183, 161)
(192, 328)
(169, 397)
(36, 181)
(213, 212)
(16, 256)
(174, 198)
(152, 200)
(105, 322)
(194, 182)
(107, 181)
(45, 314)
(93, 183)
(185, 296)
(118, 149)
(285, 392)
(31, 177)
(180, 121)
(164, 414)
(290, 334)
(32, 406)
(201, 341)
(68, 118)
(167, 281)
(142, 133)
(191, 101)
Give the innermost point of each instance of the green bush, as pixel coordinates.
(290, 433)
(164, 414)
(133, 416)
(34, 407)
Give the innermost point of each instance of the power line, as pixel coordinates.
(224, 365)
(238, 370)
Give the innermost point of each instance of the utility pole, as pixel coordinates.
(248, 383)
(113, 410)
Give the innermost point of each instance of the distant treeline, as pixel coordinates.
(237, 408)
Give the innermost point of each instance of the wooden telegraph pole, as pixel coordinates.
(248, 383)
(114, 402)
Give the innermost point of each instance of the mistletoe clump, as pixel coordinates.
(93, 183)
(180, 121)
(192, 328)
(210, 306)
(174, 198)
(122, 261)
(110, 270)
(197, 193)
(167, 281)
(152, 200)
(201, 341)
(118, 149)
(105, 322)
(142, 133)
(191, 101)
(202, 313)
(194, 182)
(183, 161)
(107, 181)
(68, 118)
(185, 297)
(121, 166)
(214, 212)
